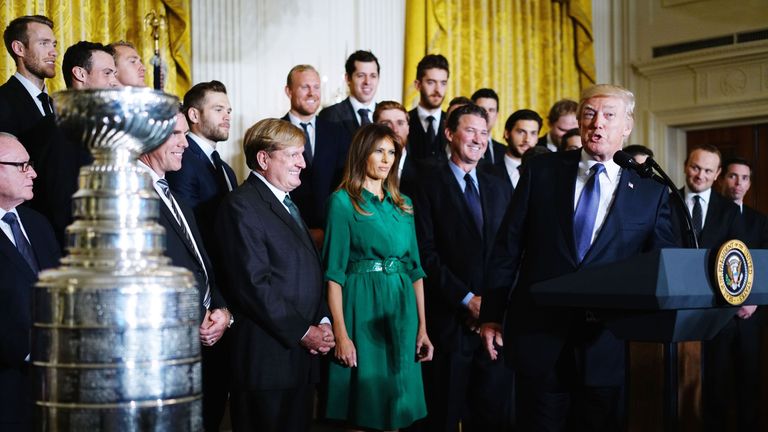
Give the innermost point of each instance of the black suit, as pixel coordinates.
(273, 280)
(344, 118)
(16, 392)
(418, 143)
(723, 221)
(461, 383)
(182, 254)
(536, 243)
(57, 158)
(320, 178)
(499, 150)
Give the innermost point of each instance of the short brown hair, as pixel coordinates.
(196, 95)
(269, 135)
(17, 30)
(431, 61)
(563, 107)
(386, 106)
(707, 148)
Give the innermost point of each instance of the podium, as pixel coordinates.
(665, 296)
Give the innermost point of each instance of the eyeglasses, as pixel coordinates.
(22, 166)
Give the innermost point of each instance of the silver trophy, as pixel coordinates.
(115, 343)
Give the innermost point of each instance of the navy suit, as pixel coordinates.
(418, 147)
(499, 150)
(460, 382)
(196, 185)
(556, 351)
(273, 279)
(16, 392)
(320, 178)
(343, 116)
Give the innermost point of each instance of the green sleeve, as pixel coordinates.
(413, 264)
(337, 238)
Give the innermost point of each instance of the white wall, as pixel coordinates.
(250, 45)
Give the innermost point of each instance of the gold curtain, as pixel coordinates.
(532, 52)
(109, 21)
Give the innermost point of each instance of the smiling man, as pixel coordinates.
(324, 150)
(458, 210)
(571, 211)
(273, 278)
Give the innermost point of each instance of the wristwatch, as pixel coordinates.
(231, 318)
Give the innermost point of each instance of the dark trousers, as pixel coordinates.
(731, 375)
(272, 410)
(215, 383)
(465, 385)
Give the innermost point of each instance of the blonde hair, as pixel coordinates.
(608, 90)
(269, 135)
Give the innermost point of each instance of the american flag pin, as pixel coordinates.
(631, 186)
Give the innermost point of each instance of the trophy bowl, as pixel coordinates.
(129, 118)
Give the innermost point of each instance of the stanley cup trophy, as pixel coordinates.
(115, 343)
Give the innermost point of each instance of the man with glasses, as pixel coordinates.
(27, 245)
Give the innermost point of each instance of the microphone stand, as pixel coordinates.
(646, 170)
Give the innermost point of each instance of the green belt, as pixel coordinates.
(389, 265)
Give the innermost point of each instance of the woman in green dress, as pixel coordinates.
(375, 291)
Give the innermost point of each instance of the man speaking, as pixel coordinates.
(571, 211)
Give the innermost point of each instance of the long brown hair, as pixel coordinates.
(365, 141)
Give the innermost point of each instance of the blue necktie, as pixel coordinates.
(586, 212)
(472, 196)
(23, 246)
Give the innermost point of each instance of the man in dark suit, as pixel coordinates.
(488, 99)
(561, 119)
(324, 150)
(274, 284)
(521, 131)
(715, 221)
(570, 211)
(458, 211)
(27, 245)
(185, 247)
(426, 141)
(204, 178)
(362, 75)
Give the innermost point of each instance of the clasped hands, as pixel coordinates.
(319, 339)
(213, 326)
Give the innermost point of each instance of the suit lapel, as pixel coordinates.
(624, 196)
(350, 119)
(166, 213)
(9, 250)
(565, 187)
(712, 219)
(279, 210)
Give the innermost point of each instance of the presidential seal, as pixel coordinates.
(734, 272)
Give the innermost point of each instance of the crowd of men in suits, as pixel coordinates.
(489, 218)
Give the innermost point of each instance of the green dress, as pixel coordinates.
(385, 390)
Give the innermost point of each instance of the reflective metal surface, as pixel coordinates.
(115, 342)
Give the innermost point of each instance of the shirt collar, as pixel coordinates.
(704, 195)
(369, 196)
(424, 113)
(279, 194)
(155, 176)
(206, 145)
(612, 169)
(3, 212)
(459, 173)
(356, 105)
(29, 85)
(297, 121)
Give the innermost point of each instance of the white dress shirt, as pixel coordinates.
(357, 105)
(513, 168)
(33, 90)
(311, 127)
(704, 201)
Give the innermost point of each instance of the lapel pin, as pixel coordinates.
(631, 186)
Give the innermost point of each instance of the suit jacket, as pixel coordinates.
(544, 141)
(182, 253)
(274, 284)
(536, 239)
(418, 148)
(321, 178)
(454, 253)
(722, 222)
(755, 228)
(16, 314)
(499, 150)
(195, 184)
(57, 158)
(342, 115)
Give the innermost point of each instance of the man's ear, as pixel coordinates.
(18, 48)
(193, 114)
(79, 73)
(261, 159)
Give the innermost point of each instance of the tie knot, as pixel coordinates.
(696, 198)
(598, 168)
(363, 112)
(430, 118)
(306, 125)
(468, 178)
(215, 156)
(288, 201)
(10, 218)
(163, 183)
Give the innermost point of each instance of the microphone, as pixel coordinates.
(625, 160)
